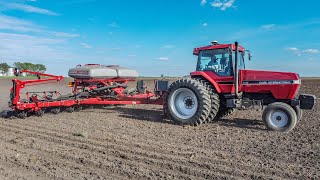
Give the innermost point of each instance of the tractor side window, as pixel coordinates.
(241, 64)
(241, 61)
(216, 60)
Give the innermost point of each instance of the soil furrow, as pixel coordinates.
(112, 156)
(44, 163)
(154, 159)
(202, 160)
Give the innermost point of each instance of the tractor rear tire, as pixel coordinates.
(187, 102)
(215, 100)
(224, 113)
(279, 117)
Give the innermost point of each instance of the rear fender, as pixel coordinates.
(207, 77)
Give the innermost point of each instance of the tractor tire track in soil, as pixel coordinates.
(135, 142)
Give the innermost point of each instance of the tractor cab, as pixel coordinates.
(218, 58)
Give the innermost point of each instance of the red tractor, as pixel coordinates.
(221, 84)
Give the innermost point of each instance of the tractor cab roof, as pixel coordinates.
(216, 46)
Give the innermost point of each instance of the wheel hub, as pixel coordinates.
(184, 103)
(279, 119)
(188, 102)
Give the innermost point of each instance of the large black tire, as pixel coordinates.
(224, 112)
(280, 117)
(215, 100)
(200, 97)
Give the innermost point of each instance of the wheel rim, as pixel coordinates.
(279, 119)
(184, 103)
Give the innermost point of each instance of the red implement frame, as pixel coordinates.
(79, 84)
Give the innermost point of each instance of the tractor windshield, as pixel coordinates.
(216, 60)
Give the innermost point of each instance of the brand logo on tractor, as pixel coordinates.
(268, 82)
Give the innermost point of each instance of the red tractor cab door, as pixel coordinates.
(241, 69)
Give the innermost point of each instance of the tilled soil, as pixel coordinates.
(135, 142)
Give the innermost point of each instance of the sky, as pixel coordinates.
(158, 37)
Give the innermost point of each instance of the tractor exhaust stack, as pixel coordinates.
(236, 71)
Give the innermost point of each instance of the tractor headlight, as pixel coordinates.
(297, 81)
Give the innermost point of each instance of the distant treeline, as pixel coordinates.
(4, 67)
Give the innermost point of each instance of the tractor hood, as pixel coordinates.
(267, 77)
(282, 85)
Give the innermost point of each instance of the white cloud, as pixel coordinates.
(162, 59)
(66, 35)
(205, 24)
(15, 24)
(27, 39)
(114, 25)
(85, 45)
(55, 53)
(217, 4)
(299, 52)
(27, 8)
(223, 4)
(268, 26)
(293, 49)
(71, 2)
(19, 25)
(132, 55)
(203, 2)
(311, 51)
(168, 46)
(19, 47)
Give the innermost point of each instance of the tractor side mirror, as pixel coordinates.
(249, 56)
(17, 72)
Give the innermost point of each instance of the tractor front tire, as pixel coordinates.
(187, 102)
(299, 112)
(279, 117)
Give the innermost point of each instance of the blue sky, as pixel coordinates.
(158, 37)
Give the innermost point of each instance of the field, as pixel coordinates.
(135, 142)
